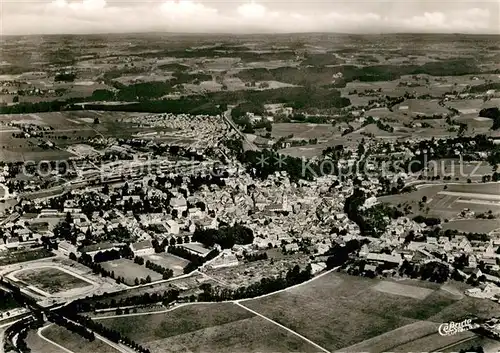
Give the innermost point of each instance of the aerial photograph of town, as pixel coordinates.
(249, 176)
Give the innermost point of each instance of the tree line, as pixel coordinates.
(165, 272)
(104, 331)
(102, 302)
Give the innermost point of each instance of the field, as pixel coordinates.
(448, 203)
(75, 342)
(403, 290)
(170, 261)
(339, 311)
(38, 344)
(304, 131)
(471, 106)
(214, 327)
(130, 271)
(456, 169)
(67, 128)
(416, 107)
(409, 338)
(51, 280)
(473, 225)
(336, 311)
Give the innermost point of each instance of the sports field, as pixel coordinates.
(51, 280)
(130, 271)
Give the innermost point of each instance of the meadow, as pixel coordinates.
(217, 327)
(338, 311)
(447, 203)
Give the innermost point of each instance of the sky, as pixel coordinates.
(248, 16)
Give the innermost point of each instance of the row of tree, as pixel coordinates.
(102, 330)
(165, 272)
(72, 326)
(102, 302)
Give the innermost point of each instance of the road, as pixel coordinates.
(229, 120)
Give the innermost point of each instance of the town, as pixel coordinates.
(293, 197)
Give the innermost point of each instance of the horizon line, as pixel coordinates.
(230, 34)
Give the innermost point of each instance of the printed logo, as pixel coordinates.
(452, 328)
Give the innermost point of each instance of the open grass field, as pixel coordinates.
(75, 342)
(415, 107)
(66, 129)
(38, 344)
(170, 261)
(403, 290)
(434, 342)
(489, 345)
(51, 280)
(463, 170)
(130, 271)
(304, 130)
(218, 327)
(470, 106)
(309, 151)
(338, 311)
(473, 225)
(393, 340)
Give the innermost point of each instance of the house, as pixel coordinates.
(385, 258)
(99, 247)
(143, 248)
(196, 248)
(172, 227)
(477, 272)
(369, 267)
(179, 204)
(12, 243)
(489, 261)
(317, 267)
(364, 251)
(291, 248)
(67, 248)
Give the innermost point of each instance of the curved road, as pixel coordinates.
(229, 120)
